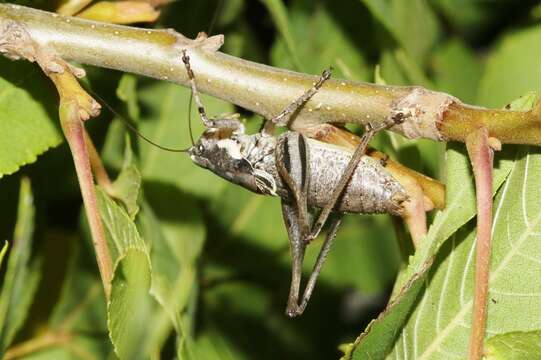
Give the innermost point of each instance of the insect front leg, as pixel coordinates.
(227, 124)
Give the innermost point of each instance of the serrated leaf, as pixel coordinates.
(120, 230)
(130, 304)
(22, 274)
(27, 129)
(511, 68)
(514, 346)
(380, 336)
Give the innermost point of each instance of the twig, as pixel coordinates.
(264, 89)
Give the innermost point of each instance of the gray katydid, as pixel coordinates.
(308, 175)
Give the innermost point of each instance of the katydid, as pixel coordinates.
(305, 173)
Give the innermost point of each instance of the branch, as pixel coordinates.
(264, 89)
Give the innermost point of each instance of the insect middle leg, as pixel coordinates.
(284, 116)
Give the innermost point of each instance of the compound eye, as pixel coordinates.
(200, 148)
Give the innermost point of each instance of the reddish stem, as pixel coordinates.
(481, 156)
(74, 131)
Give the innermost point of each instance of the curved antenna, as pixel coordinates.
(133, 128)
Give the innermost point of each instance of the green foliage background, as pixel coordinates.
(204, 270)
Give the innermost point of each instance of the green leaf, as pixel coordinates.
(411, 23)
(333, 44)
(512, 68)
(440, 324)
(120, 230)
(129, 307)
(27, 128)
(22, 274)
(279, 15)
(127, 185)
(380, 336)
(514, 346)
(130, 303)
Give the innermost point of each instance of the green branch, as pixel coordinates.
(263, 89)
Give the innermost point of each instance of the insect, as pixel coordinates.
(300, 171)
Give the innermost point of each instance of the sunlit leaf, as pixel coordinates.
(380, 336)
(27, 127)
(129, 306)
(439, 326)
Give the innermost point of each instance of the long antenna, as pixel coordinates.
(131, 127)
